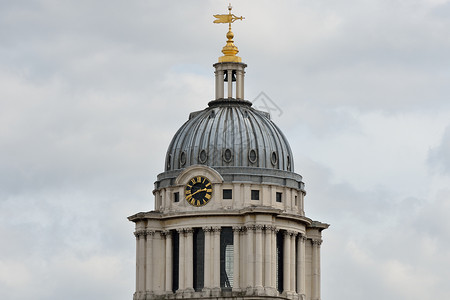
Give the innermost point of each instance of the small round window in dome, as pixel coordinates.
(252, 156)
(169, 161)
(183, 158)
(202, 156)
(227, 155)
(273, 158)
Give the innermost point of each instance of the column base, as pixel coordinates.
(188, 293)
(270, 291)
(289, 294)
(139, 296)
(206, 292)
(259, 291)
(216, 292)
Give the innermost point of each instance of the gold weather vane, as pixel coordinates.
(230, 50)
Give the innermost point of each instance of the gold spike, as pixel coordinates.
(229, 50)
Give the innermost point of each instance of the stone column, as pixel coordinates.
(301, 275)
(250, 257)
(189, 259)
(219, 84)
(140, 260)
(207, 271)
(286, 262)
(230, 83)
(159, 249)
(169, 262)
(243, 257)
(181, 260)
(240, 84)
(149, 261)
(268, 256)
(216, 260)
(236, 258)
(258, 257)
(274, 257)
(315, 290)
(292, 276)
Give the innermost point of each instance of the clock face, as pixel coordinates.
(198, 191)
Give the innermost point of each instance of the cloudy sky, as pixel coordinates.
(91, 92)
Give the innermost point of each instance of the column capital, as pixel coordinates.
(207, 229)
(150, 232)
(237, 228)
(216, 229)
(302, 237)
(250, 227)
(289, 233)
(269, 227)
(258, 228)
(166, 233)
(189, 230)
(316, 242)
(139, 233)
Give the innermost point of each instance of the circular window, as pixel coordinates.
(183, 158)
(252, 156)
(169, 161)
(227, 155)
(273, 158)
(202, 156)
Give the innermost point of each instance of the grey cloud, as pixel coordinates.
(92, 92)
(439, 157)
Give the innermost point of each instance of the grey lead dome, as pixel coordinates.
(229, 133)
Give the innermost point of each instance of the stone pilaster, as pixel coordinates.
(274, 257)
(301, 275)
(216, 261)
(292, 261)
(250, 259)
(258, 258)
(269, 284)
(169, 262)
(140, 261)
(315, 290)
(208, 259)
(189, 262)
(181, 261)
(149, 261)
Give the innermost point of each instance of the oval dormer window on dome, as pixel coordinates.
(252, 156)
(202, 156)
(183, 158)
(274, 158)
(228, 155)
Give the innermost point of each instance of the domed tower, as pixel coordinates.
(229, 218)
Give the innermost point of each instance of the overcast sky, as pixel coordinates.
(91, 92)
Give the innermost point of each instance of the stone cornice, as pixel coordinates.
(154, 215)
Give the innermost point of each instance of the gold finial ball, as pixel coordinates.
(230, 35)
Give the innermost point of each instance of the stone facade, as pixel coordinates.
(255, 224)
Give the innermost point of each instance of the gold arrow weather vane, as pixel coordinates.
(230, 50)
